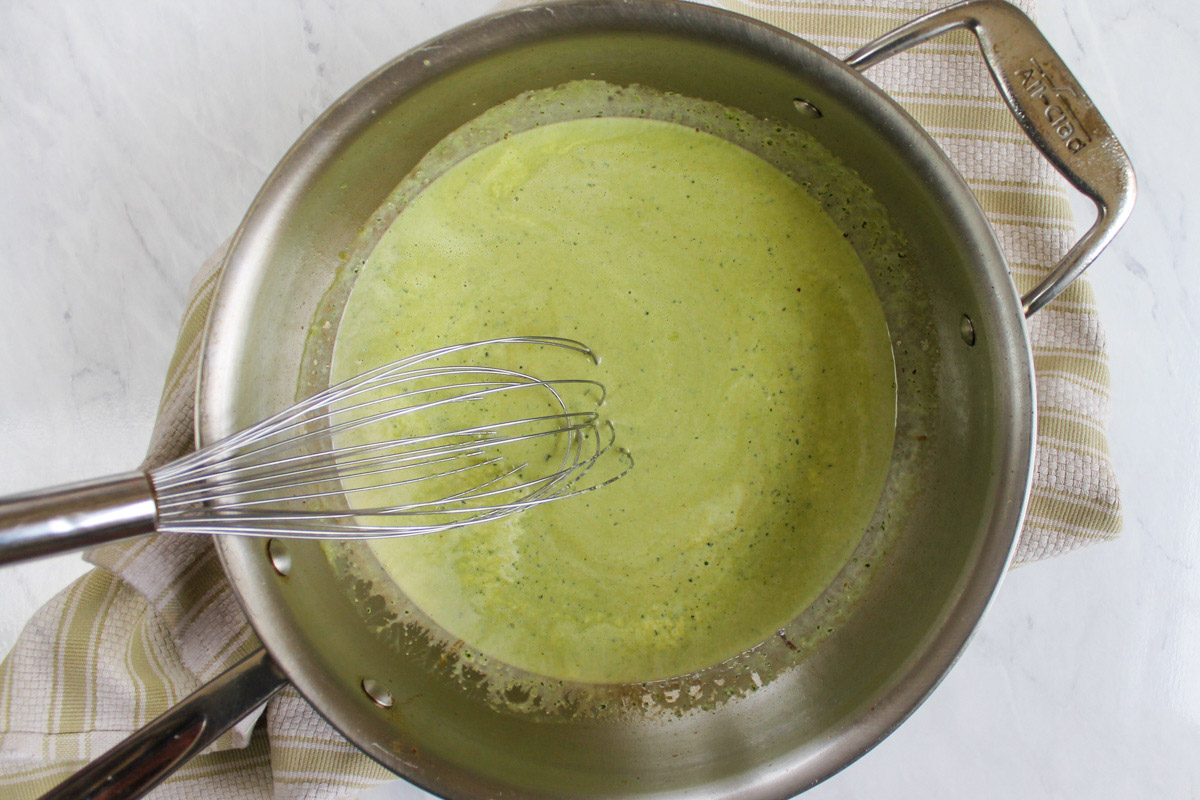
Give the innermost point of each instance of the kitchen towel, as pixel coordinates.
(157, 618)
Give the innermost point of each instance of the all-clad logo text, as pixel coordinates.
(1056, 104)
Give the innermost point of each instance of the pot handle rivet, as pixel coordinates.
(374, 690)
(966, 329)
(806, 108)
(280, 558)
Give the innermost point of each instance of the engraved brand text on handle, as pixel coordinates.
(1056, 104)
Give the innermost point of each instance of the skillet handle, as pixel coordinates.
(1050, 107)
(146, 758)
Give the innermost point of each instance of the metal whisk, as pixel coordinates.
(415, 446)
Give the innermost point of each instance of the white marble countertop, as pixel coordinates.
(134, 135)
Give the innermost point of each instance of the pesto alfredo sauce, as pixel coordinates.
(748, 370)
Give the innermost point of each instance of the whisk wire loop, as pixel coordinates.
(401, 450)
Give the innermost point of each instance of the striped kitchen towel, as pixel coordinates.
(157, 618)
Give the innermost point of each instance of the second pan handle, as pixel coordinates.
(1050, 107)
(145, 759)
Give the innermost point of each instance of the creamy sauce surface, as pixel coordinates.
(748, 370)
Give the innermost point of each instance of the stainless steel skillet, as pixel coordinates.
(953, 533)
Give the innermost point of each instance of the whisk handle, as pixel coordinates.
(75, 516)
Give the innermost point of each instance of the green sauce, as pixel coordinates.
(749, 372)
